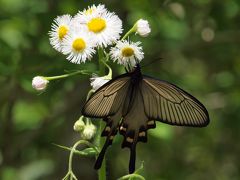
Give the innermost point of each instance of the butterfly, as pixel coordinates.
(132, 102)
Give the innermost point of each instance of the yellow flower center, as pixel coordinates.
(79, 44)
(62, 31)
(127, 51)
(96, 25)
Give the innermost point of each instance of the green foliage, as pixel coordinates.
(199, 43)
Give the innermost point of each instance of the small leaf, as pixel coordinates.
(85, 152)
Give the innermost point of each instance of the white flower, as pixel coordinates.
(79, 125)
(94, 9)
(97, 82)
(103, 25)
(143, 28)
(78, 45)
(127, 53)
(39, 83)
(59, 30)
(88, 132)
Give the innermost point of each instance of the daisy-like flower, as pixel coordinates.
(78, 45)
(143, 28)
(103, 25)
(97, 82)
(127, 53)
(39, 83)
(59, 30)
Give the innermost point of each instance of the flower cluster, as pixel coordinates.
(77, 37)
(87, 130)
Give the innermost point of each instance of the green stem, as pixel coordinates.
(109, 76)
(132, 176)
(93, 151)
(100, 141)
(132, 30)
(100, 61)
(73, 151)
(71, 156)
(89, 94)
(65, 75)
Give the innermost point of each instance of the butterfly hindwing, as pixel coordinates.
(134, 125)
(172, 105)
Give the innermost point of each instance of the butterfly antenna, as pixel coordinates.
(153, 61)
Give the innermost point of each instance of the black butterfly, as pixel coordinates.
(132, 102)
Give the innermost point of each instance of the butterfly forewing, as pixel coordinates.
(170, 104)
(107, 100)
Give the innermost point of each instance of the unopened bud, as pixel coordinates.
(143, 28)
(88, 132)
(79, 125)
(39, 83)
(97, 82)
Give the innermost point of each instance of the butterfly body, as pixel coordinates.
(132, 102)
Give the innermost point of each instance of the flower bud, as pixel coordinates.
(39, 83)
(143, 28)
(88, 132)
(97, 82)
(79, 125)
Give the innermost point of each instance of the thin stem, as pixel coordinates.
(140, 168)
(100, 141)
(86, 152)
(88, 121)
(132, 30)
(109, 70)
(100, 61)
(74, 148)
(89, 94)
(132, 176)
(71, 156)
(65, 75)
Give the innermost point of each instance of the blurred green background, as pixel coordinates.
(199, 41)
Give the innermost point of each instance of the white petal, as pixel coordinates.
(111, 33)
(76, 56)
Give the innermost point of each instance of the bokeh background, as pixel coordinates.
(199, 43)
